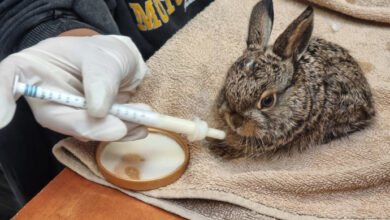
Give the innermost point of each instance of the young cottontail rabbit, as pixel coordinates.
(299, 92)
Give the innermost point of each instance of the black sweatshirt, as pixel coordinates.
(25, 146)
(148, 22)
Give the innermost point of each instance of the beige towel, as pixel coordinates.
(372, 10)
(347, 178)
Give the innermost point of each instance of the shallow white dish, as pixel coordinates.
(150, 163)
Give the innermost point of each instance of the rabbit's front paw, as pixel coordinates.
(223, 150)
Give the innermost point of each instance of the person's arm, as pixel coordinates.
(24, 23)
(103, 68)
(79, 32)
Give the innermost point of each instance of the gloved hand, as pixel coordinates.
(104, 69)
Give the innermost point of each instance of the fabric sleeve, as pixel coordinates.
(24, 23)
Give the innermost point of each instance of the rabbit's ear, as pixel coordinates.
(294, 40)
(260, 25)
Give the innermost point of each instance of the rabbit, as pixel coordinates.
(300, 92)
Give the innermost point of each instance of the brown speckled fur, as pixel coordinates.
(322, 93)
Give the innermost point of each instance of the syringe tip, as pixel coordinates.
(215, 133)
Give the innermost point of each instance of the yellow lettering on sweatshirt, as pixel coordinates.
(170, 7)
(161, 11)
(146, 19)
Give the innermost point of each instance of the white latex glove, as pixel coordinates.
(104, 69)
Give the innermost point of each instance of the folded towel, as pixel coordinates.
(347, 178)
(372, 10)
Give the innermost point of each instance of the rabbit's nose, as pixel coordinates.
(237, 120)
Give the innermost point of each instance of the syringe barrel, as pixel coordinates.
(164, 122)
(153, 119)
(179, 125)
(47, 94)
(126, 113)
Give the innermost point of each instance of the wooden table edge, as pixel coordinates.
(70, 196)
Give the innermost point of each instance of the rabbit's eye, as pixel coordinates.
(267, 101)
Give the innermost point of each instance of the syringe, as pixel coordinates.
(195, 130)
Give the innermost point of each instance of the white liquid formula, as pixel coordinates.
(153, 157)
